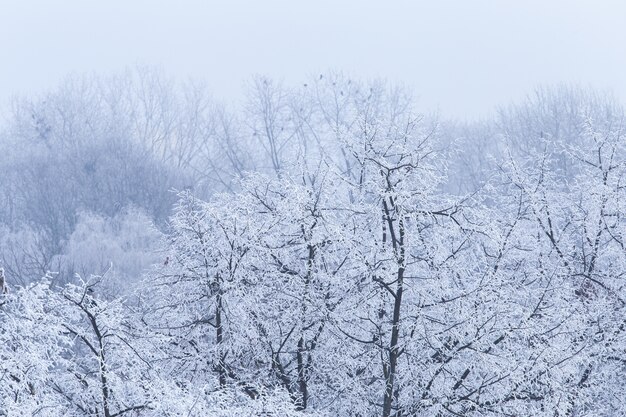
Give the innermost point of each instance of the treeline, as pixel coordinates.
(329, 251)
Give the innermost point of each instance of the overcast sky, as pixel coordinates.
(461, 57)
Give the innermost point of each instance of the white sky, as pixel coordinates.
(460, 56)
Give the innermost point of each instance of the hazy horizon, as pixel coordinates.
(458, 58)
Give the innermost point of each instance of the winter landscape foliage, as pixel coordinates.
(319, 250)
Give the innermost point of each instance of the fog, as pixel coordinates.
(463, 58)
(280, 209)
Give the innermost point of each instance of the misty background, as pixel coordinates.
(463, 58)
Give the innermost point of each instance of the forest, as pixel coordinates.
(324, 248)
